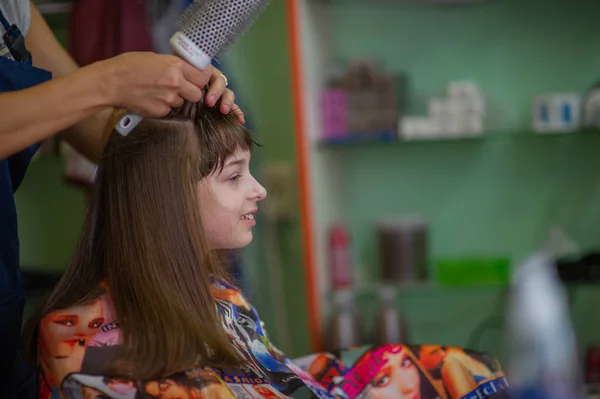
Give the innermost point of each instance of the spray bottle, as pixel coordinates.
(544, 363)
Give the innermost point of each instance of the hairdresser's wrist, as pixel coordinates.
(107, 78)
(91, 85)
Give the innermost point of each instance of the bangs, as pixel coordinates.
(219, 136)
(218, 145)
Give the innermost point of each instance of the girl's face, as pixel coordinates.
(399, 378)
(228, 203)
(431, 356)
(64, 336)
(63, 330)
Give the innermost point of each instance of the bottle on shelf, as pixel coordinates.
(592, 372)
(544, 362)
(345, 328)
(390, 327)
(340, 274)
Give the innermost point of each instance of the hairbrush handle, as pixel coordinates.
(127, 123)
(183, 47)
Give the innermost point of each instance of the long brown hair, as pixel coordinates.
(143, 234)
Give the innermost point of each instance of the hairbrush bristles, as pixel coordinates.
(214, 25)
(207, 29)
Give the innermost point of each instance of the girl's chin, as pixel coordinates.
(239, 243)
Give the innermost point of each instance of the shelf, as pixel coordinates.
(390, 138)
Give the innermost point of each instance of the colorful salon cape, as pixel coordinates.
(13, 76)
(77, 343)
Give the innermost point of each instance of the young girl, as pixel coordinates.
(145, 300)
(145, 309)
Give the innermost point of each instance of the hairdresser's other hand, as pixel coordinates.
(151, 84)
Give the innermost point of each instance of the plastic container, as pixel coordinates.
(403, 249)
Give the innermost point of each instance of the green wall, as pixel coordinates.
(495, 196)
(50, 217)
(492, 196)
(50, 211)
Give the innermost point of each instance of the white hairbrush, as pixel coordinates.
(207, 29)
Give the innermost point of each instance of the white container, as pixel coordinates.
(557, 113)
(418, 127)
(468, 94)
(449, 115)
(473, 123)
(592, 109)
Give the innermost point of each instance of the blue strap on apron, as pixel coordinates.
(4, 21)
(13, 76)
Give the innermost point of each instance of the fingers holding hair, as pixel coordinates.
(217, 90)
(217, 86)
(239, 114)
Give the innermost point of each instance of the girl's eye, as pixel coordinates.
(381, 381)
(67, 322)
(234, 178)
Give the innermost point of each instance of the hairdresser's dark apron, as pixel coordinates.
(14, 375)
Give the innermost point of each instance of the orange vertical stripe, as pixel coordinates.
(306, 214)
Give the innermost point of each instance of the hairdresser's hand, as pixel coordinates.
(218, 89)
(151, 84)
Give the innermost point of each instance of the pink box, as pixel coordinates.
(334, 113)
